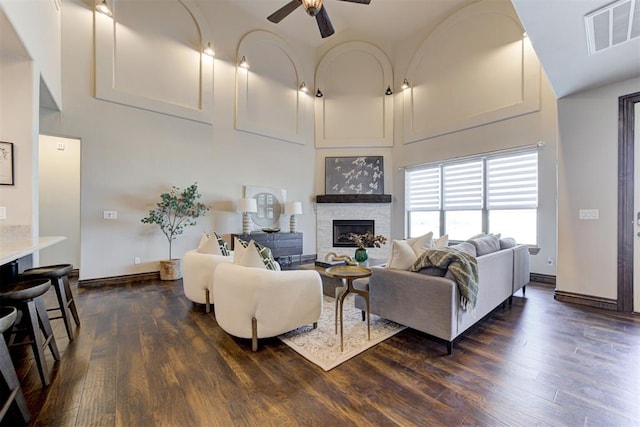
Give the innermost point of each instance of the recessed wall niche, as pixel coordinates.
(144, 63)
(475, 68)
(268, 101)
(354, 110)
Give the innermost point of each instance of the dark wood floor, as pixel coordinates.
(145, 357)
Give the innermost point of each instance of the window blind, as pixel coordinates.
(463, 185)
(512, 181)
(423, 189)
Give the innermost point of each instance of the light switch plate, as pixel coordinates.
(3, 212)
(589, 214)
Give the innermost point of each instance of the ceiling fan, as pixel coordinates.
(313, 8)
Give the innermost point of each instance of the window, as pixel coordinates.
(492, 193)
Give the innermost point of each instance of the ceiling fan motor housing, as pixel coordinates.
(312, 6)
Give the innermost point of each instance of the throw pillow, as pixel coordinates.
(441, 241)
(208, 245)
(466, 247)
(402, 255)
(507, 242)
(224, 248)
(422, 243)
(254, 255)
(486, 244)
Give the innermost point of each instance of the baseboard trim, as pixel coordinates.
(542, 278)
(119, 280)
(588, 300)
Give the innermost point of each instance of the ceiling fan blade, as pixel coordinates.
(358, 1)
(284, 11)
(324, 23)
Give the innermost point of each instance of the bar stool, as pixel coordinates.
(59, 276)
(26, 295)
(7, 370)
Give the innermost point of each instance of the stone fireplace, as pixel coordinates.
(378, 214)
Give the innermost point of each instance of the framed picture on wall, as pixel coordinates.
(6, 163)
(354, 175)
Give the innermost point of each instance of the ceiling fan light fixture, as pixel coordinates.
(319, 93)
(243, 63)
(405, 85)
(312, 6)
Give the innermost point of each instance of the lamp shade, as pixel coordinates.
(247, 205)
(293, 208)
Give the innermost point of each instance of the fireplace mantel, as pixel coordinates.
(354, 198)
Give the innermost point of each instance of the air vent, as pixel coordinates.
(613, 24)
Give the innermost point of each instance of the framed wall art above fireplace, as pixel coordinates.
(6, 163)
(354, 175)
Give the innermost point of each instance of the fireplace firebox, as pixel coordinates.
(343, 227)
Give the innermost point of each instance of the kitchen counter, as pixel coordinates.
(12, 249)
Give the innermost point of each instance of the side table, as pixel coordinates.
(348, 274)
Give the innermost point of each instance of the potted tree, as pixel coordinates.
(176, 210)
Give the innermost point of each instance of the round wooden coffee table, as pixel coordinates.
(348, 273)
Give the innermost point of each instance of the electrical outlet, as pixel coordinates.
(60, 146)
(136, 260)
(549, 261)
(110, 214)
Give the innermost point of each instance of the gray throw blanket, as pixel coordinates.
(462, 266)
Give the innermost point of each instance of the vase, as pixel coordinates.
(361, 255)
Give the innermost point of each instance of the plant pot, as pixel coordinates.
(361, 255)
(171, 269)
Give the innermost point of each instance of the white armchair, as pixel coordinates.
(197, 280)
(257, 303)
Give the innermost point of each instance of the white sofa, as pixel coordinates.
(258, 303)
(197, 279)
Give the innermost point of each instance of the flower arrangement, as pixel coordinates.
(367, 240)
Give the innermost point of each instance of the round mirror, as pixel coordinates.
(269, 210)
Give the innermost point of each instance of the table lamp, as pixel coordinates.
(246, 206)
(293, 209)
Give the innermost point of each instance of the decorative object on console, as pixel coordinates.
(6, 163)
(354, 175)
(364, 241)
(292, 209)
(270, 204)
(247, 206)
(176, 210)
(332, 258)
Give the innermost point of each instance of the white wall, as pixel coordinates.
(130, 156)
(515, 131)
(588, 179)
(59, 202)
(18, 119)
(37, 23)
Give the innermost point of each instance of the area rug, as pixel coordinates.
(322, 345)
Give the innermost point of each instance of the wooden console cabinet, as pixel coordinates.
(281, 244)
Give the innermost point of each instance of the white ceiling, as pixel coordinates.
(555, 28)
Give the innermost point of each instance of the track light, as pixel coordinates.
(209, 50)
(319, 93)
(388, 91)
(405, 84)
(104, 8)
(303, 87)
(243, 63)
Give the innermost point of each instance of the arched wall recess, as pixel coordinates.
(354, 110)
(475, 68)
(268, 101)
(144, 63)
